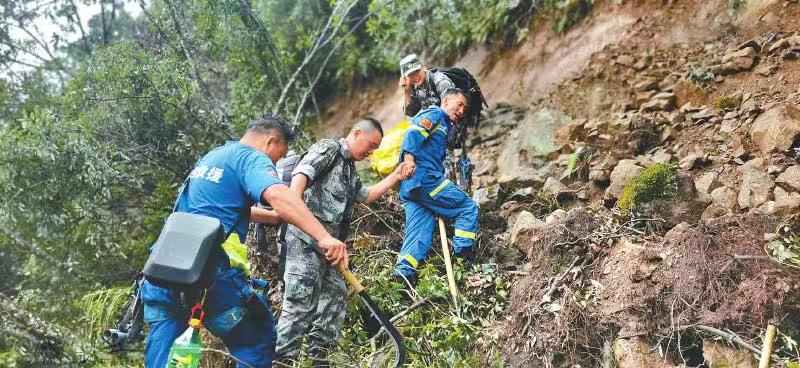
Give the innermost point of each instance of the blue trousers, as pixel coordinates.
(249, 337)
(424, 199)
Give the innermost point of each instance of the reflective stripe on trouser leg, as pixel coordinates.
(439, 188)
(452, 203)
(420, 223)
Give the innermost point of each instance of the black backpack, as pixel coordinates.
(467, 83)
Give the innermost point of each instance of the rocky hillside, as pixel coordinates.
(674, 168)
(639, 183)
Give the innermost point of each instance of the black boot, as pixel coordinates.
(466, 257)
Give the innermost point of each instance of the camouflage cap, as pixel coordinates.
(410, 64)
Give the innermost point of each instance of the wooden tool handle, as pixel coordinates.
(350, 278)
(448, 264)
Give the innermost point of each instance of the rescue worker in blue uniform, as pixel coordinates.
(225, 184)
(428, 193)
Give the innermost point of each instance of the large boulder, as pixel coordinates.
(720, 355)
(532, 138)
(790, 177)
(637, 353)
(664, 101)
(756, 188)
(723, 202)
(553, 186)
(624, 172)
(683, 206)
(785, 203)
(570, 132)
(776, 129)
(688, 92)
(738, 61)
(525, 224)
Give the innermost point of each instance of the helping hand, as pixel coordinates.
(407, 169)
(335, 251)
(400, 171)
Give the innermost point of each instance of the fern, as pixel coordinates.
(103, 307)
(574, 160)
(572, 163)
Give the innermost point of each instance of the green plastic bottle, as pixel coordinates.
(187, 348)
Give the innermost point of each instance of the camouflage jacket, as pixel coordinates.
(331, 197)
(429, 93)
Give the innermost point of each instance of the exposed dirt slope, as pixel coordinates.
(578, 122)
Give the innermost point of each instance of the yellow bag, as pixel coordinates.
(385, 158)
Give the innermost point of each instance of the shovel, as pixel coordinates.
(397, 340)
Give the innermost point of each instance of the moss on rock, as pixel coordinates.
(660, 181)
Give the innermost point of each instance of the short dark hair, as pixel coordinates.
(454, 91)
(373, 123)
(272, 123)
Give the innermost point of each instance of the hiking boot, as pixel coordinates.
(466, 258)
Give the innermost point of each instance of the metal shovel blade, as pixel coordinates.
(400, 348)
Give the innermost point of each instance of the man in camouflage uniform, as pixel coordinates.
(424, 88)
(315, 295)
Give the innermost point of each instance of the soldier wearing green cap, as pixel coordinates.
(422, 87)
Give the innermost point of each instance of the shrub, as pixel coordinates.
(736, 4)
(571, 12)
(700, 76)
(726, 102)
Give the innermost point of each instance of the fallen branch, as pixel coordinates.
(408, 310)
(322, 40)
(559, 279)
(730, 337)
(739, 257)
(373, 214)
(332, 52)
(379, 218)
(769, 341)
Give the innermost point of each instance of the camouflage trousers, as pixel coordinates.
(314, 302)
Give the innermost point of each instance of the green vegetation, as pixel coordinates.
(700, 76)
(572, 162)
(435, 336)
(659, 181)
(736, 4)
(726, 102)
(786, 247)
(570, 12)
(100, 123)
